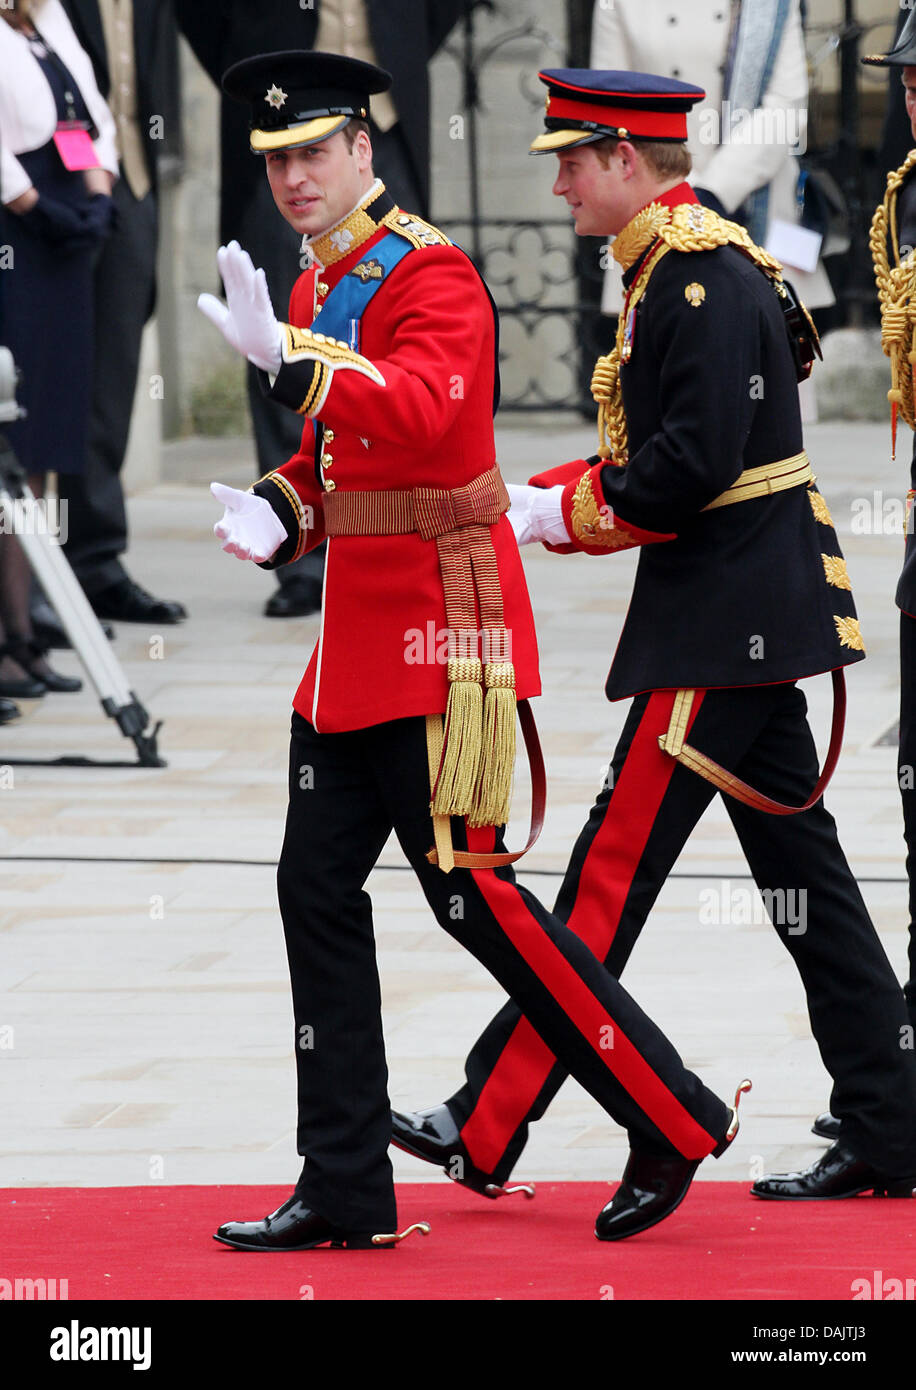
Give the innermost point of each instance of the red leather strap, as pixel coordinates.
(731, 785)
(465, 859)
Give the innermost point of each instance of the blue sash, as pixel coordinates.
(347, 302)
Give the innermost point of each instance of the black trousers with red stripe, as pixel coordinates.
(347, 792)
(623, 856)
(906, 765)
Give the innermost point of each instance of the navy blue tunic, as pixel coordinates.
(47, 312)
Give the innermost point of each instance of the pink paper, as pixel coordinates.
(76, 149)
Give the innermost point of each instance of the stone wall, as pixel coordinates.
(199, 371)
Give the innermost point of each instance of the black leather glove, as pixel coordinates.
(71, 228)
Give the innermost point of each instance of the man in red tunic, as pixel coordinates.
(405, 717)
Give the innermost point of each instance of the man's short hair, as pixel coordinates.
(352, 129)
(667, 159)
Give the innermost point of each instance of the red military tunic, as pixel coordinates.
(419, 413)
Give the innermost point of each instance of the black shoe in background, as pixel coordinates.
(49, 630)
(826, 1126)
(127, 602)
(295, 599)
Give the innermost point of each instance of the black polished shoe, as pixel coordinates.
(836, 1174)
(826, 1126)
(433, 1135)
(294, 1226)
(9, 711)
(650, 1190)
(296, 599)
(653, 1187)
(127, 602)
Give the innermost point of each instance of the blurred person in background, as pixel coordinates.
(125, 40)
(750, 55)
(59, 162)
(402, 36)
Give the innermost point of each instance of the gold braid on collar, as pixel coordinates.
(685, 227)
(897, 297)
(355, 229)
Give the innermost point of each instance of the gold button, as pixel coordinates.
(327, 460)
(330, 485)
(329, 436)
(322, 288)
(317, 310)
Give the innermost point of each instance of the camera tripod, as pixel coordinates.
(22, 516)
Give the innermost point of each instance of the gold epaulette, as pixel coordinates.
(897, 297)
(685, 227)
(416, 230)
(696, 228)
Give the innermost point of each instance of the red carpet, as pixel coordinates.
(155, 1243)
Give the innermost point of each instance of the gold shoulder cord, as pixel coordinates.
(896, 285)
(687, 227)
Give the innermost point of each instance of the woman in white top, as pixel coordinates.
(58, 161)
(751, 56)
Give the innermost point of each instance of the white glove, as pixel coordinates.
(249, 527)
(536, 514)
(247, 319)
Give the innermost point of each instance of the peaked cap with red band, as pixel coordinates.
(584, 105)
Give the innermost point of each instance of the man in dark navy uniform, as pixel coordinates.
(398, 471)
(740, 591)
(893, 240)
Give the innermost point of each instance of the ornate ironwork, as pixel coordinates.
(533, 267)
(530, 269)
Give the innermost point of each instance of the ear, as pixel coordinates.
(628, 155)
(362, 147)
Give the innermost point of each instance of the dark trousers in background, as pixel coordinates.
(125, 288)
(347, 792)
(906, 763)
(275, 246)
(623, 856)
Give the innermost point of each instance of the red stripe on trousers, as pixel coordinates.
(526, 1061)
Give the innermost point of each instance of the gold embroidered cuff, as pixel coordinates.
(315, 359)
(593, 525)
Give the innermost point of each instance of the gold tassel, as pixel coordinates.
(454, 790)
(494, 785)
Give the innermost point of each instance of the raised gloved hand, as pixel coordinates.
(536, 514)
(249, 527)
(247, 319)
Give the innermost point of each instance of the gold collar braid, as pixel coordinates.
(897, 297)
(353, 230)
(685, 227)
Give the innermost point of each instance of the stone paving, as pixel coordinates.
(144, 1005)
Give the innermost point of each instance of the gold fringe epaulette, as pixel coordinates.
(685, 227)
(418, 232)
(897, 296)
